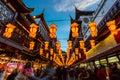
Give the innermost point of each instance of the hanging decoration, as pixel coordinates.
(112, 27)
(33, 30)
(93, 29)
(9, 30)
(52, 31)
(82, 45)
(31, 46)
(69, 44)
(46, 45)
(74, 29)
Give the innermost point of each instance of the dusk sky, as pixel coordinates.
(58, 11)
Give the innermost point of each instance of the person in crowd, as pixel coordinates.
(26, 71)
(115, 72)
(2, 71)
(71, 74)
(46, 74)
(84, 75)
(12, 75)
(59, 73)
(101, 74)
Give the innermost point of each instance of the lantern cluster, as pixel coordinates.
(52, 31)
(33, 30)
(8, 30)
(74, 29)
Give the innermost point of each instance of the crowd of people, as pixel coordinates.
(63, 73)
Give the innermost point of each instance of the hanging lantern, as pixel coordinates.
(69, 44)
(47, 55)
(81, 42)
(51, 51)
(53, 31)
(51, 57)
(92, 43)
(112, 26)
(8, 30)
(31, 45)
(41, 51)
(74, 29)
(76, 58)
(57, 45)
(93, 29)
(76, 51)
(84, 50)
(46, 45)
(33, 30)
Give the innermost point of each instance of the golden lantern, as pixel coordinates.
(52, 31)
(47, 55)
(74, 29)
(112, 26)
(31, 45)
(51, 57)
(57, 45)
(81, 42)
(41, 51)
(84, 50)
(8, 30)
(69, 44)
(33, 30)
(93, 29)
(76, 58)
(92, 43)
(46, 45)
(76, 51)
(51, 51)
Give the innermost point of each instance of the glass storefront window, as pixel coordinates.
(113, 59)
(103, 61)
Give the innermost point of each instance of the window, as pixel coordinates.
(118, 5)
(113, 59)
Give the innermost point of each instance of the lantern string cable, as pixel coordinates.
(60, 20)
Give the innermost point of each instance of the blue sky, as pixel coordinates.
(60, 10)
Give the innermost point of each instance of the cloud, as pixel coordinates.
(68, 5)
